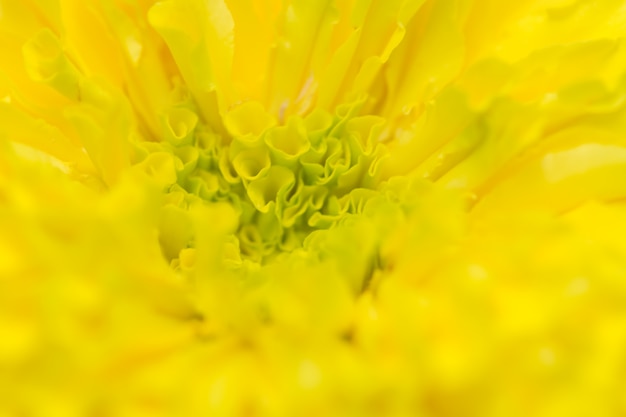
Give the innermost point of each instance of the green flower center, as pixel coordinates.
(284, 181)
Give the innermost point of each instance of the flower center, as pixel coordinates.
(284, 181)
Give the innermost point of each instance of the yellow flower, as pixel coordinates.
(312, 208)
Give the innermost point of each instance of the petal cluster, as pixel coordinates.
(324, 208)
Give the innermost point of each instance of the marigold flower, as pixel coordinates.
(312, 208)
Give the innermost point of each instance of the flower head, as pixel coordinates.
(348, 207)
